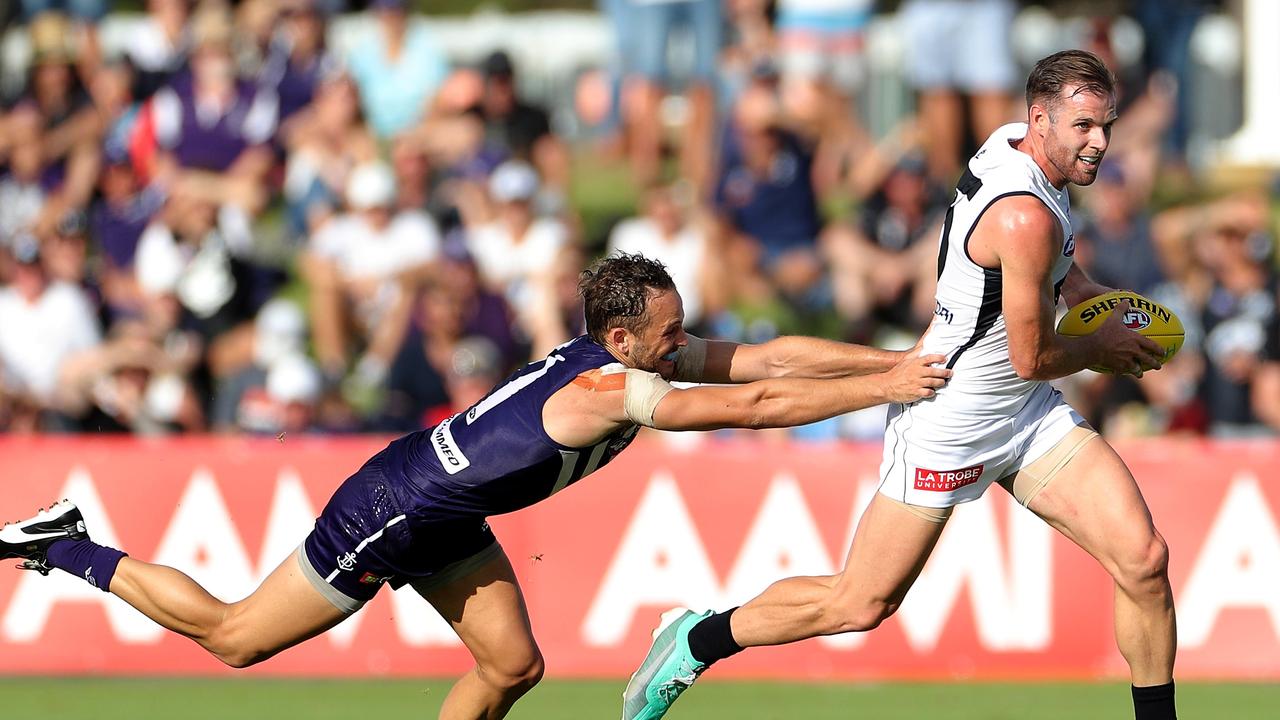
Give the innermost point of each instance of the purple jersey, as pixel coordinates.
(497, 457)
(415, 512)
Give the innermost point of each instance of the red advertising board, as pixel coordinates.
(702, 526)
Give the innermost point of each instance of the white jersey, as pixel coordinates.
(968, 326)
(986, 422)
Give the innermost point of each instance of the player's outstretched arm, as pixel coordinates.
(784, 402)
(793, 356)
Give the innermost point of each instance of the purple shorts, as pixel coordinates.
(365, 537)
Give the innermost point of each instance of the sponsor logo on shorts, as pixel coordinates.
(347, 562)
(371, 579)
(447, 451)
(1136, 319)
(946, 480)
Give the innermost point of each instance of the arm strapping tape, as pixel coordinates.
(691, 360)
(642, 394)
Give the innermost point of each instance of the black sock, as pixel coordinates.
(1149, 703)
(711, 639)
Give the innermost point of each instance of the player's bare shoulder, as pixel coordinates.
(1016, 228)
(587, 408)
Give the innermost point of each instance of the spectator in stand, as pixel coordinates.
(324, 142)
(1167, 29)
(83, 14)
(186, 253)
(1223, 287)
(885, 269)
(1236, 314)
(515, 250)
(56, 107)
(65, 254)
(137, 381)
(398, 69)
(821, 47)
(361, 267)
(160, 45)
(665, 232)
(520, 130)
(414, 181)
(212, 128)
(281, 396)
(45, 322)
(475, 370)
(111, 91)
(417, 395)
(25, 184)
(279, 330)
(767, 207)
(122, 212)
(295, 389)
(648, 25)
(1114, 243)
(959, 51)
(297, 61)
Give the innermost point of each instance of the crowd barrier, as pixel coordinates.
(708, 526)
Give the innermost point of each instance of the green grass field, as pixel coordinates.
(247, 699)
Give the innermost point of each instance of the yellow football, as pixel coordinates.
(1145, 317)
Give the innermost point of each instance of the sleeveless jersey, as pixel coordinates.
(969, 326)
(497, 457)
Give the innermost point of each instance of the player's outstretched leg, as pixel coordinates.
(1096, 503)
(285, 610)
(487, 610)
(889, 550)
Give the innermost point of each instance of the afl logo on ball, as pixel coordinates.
(1136, 320)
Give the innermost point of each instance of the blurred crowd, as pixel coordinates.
(234, 225)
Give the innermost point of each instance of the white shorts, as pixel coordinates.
(941, 464)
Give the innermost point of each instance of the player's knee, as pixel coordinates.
(515, 673)
(235, 645)
(236, 652)
(855, 614)
(868, 616)
(1145, 565)
(241, 659)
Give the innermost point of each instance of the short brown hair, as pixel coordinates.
(616, 291)
(1079, 68)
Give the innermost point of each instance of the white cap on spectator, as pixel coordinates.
(279, 330)
(371, 185)
(294, 378)
(513, 181)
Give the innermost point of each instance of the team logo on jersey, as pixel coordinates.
(946, 480)
(1136, 319)
(347, 562)
(1069, 247)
